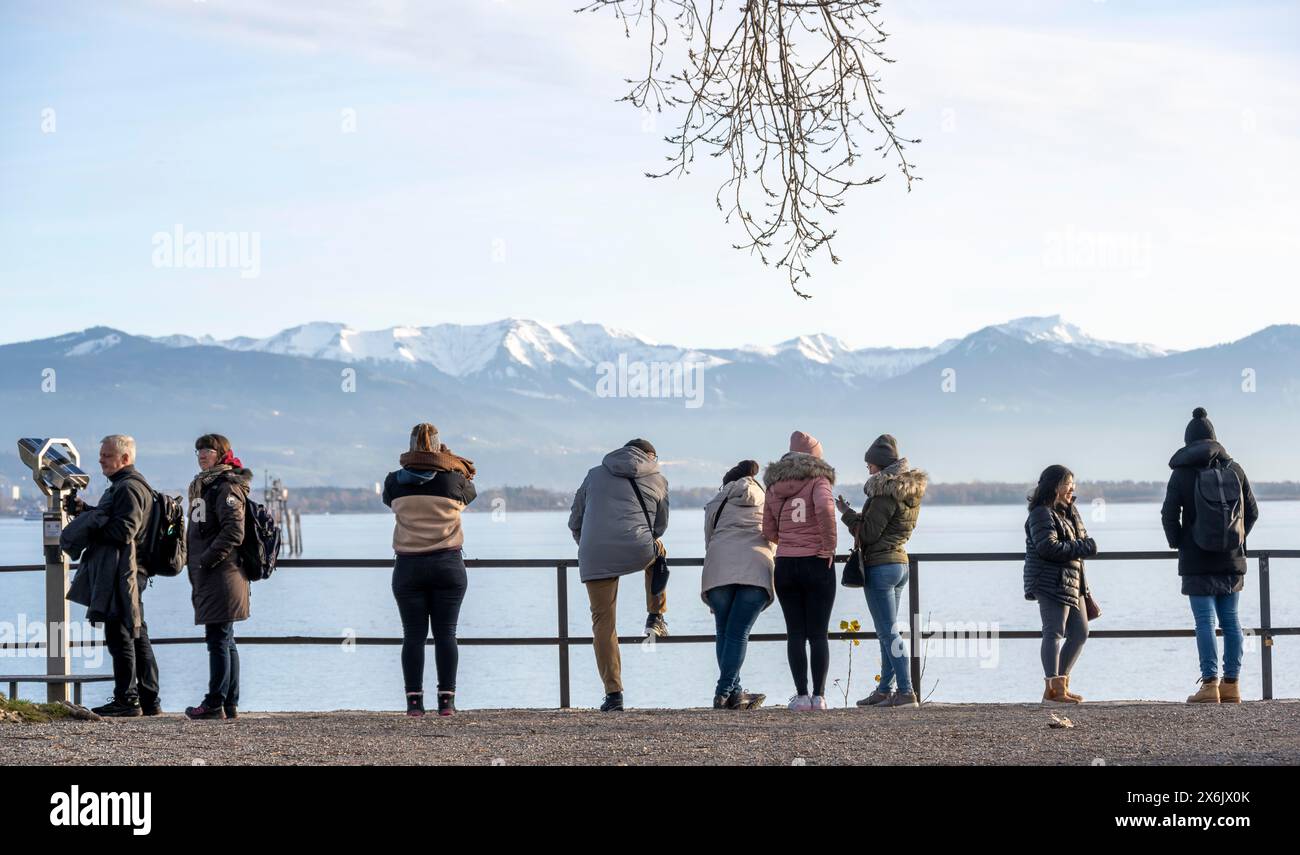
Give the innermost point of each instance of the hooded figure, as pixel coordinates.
(1203, 573)
(606, 519)
(799, 510)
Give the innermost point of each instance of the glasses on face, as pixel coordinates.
(202, 451)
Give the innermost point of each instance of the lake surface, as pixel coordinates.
(520, 602)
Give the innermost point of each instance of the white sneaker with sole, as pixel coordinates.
(819, 703)
(801, 703)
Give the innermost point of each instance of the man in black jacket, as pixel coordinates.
(127, 505)
(1213, 580)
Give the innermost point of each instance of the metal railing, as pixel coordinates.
(1265, 632)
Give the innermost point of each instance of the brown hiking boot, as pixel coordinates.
(1208, 693)
(1229, 693)
(1078, 699)
(1054, 691)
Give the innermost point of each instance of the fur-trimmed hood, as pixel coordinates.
(898, 481)
(797, 466)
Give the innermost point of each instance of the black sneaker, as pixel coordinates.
(655, 625)
(722, 702)
(204, 712)
(231, 711)
(446, 703)
(154, 708)
(613, 702)
(117, 708)
(415, 704)
(747, 700)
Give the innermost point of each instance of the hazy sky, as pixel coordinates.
(484, 170)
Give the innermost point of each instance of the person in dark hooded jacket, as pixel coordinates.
(220, 588)
(1211, 580)
(427, 496)
(108, 540)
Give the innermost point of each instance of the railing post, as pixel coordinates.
(1265, 628)
(562, 595)
(914, 611)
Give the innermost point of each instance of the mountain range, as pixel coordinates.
(536, 403)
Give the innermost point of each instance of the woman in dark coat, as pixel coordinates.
(220, 588)
(1055, 545)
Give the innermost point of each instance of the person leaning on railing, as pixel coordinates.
(427, 495)
(1211, 549)
(619, 513)
(736, 583)
(799, 517)
(1056, 543)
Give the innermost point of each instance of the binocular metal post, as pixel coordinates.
(56, 470)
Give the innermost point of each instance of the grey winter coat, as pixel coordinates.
(213, 537)
(606, 520)
(1203, 573)
(735, 551)
(1055, 545)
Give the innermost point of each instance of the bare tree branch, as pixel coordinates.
(782, 88)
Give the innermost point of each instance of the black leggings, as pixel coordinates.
(805, 587)
(429, 590)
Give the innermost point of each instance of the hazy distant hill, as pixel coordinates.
(525, 400)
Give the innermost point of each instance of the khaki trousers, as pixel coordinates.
(603, 595)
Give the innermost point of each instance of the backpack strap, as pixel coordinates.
(718, 515)
(641, 501)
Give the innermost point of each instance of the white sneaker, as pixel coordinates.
(800, 703)
(819, 703)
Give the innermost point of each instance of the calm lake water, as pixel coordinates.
(1133, 595)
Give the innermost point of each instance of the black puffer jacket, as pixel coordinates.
(1055, 545)
(1205, 574)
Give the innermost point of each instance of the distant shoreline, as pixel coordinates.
(334, 500)
(361, 500)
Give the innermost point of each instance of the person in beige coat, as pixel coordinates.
(737, 582)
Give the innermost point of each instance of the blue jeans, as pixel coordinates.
(884, 590)
(735, 609)
(1204, 610)
(223, 665)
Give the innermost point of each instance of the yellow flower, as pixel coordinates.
(844, 625)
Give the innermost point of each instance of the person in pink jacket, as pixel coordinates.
(799, 516)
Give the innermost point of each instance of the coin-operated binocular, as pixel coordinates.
(56, 470)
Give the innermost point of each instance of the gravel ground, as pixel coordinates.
(1110, 733)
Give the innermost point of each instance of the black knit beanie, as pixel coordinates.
(1199, 427)
(642, 444)
(743, 469)
(883, 452)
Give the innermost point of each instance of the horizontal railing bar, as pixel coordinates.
(533, 641)
(552, 563)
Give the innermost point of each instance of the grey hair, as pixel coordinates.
(121, 444)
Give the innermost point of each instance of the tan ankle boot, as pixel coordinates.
(1207, 694)
(1078, 699)
(1054, 691)
(1229, 693)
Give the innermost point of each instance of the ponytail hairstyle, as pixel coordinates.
(424, 437)
(1048, 484)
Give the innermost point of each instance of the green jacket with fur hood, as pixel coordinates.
(887, 519)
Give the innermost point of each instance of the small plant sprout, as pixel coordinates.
(854, 627)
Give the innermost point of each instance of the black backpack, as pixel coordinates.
(1220, 509)
(163, 553)
(261, 546)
